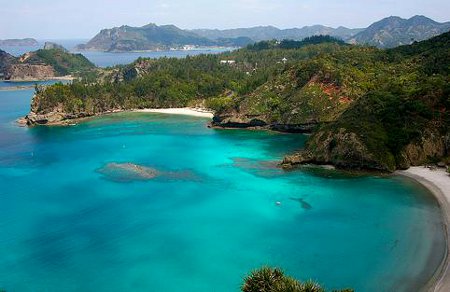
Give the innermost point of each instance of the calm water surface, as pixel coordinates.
(208, 219)
(105, 59)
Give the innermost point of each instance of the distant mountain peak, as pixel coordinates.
(395, 31)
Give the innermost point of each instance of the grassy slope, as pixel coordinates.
(64, 63)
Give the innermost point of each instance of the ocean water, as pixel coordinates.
(105, 59)
(5, 85)
(78, 214)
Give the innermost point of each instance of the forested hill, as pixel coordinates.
(153, 37)
(403, 121)
(371, 108)
(52, 61)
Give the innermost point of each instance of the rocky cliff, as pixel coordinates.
(29, 72)
(50, 62)
(348, 150)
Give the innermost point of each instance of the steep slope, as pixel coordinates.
(395, 31)
(46, 63)
(63, 62)
(403, 121)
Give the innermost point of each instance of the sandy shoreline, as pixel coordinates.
(187, 111)
(438, 182)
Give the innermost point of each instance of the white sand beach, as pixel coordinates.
(438, 182)
(197, 112)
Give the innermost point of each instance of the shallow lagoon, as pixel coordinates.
(65, 226)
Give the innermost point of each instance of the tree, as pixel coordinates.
(268, 279)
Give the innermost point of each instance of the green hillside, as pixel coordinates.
(63, 62)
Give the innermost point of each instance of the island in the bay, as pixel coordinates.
(30, 42)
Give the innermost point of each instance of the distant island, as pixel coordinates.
(366, 108)
(387, 33)
(19, 42)
(153, 37)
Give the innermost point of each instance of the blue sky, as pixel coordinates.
(84, 18)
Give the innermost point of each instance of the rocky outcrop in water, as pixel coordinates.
(127, 172)
(131, 172)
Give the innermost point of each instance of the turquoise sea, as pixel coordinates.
(71, 222)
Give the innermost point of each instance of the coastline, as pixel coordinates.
(62, 78)
(187, 111)
(438, 183)
(62, 119)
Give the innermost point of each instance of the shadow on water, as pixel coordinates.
(305, 205)
(274, 144)
(329, 172)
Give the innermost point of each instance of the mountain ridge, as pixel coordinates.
(395, 31)
(388, 32)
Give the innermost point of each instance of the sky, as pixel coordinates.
(81, 19)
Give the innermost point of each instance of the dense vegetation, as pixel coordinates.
(274, 280)
(63, 62)
(381, 109)
(170, 82)
(292, 44)
(406, 113)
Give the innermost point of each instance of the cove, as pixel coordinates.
(205, 219)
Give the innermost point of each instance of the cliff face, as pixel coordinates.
(28, 72)
(430, 145)
(347, 150)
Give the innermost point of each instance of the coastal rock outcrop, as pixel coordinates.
(430, 145)
(347, 150)
(342, 149)
(258, 122)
